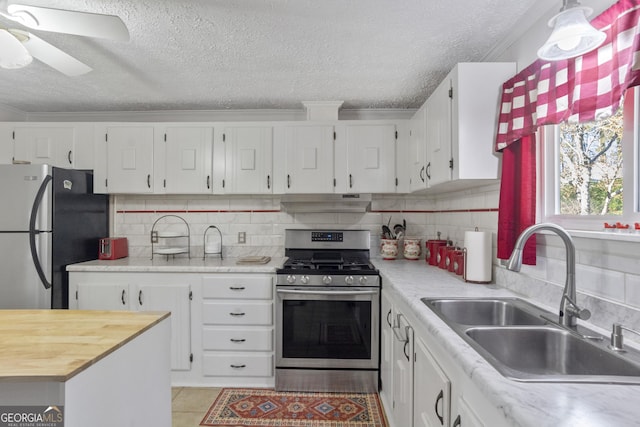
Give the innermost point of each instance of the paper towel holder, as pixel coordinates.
(466, 264)
(204, 243)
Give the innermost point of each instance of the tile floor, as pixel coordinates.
(190, 404)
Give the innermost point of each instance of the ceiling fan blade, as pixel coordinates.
(69, 22)
(52, 56)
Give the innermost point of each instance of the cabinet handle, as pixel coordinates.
(439, 399)
(122, 297)
(238, 366)
(236, 314)
(140, 297)
(388, 317)
(428, 170)
(269, 182)
(405, 350)
(69, 157)
(422, 174)
(288, 181)
(149, 180)
(236, 288)
(457, 422)
(350, 181)
(208, 182)
(237, 340)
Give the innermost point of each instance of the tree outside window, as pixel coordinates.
(591, 167)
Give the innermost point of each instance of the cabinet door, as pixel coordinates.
(418, 150)
(248, 160)
(308, 152)
(466, 417)
(403, 373)
(188, 160)
(40, 145)
(130, 159)
(432, 390)
(99, 296)
(386, 350)
(439, 134)
(371, 158)
(175, 299)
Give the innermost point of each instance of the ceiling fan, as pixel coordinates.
(19, 47)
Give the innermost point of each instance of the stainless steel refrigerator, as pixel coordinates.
(49, 218)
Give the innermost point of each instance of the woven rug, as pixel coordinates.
(265, 407)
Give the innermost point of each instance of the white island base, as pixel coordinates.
(128, 387)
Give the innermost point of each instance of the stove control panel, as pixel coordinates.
(327, 236)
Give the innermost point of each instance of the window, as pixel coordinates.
(589, 171)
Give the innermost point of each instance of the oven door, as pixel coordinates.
(324, 327)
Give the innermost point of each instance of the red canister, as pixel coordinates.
(451, 259)
(458, 263)
(442, 256)
(432, 250)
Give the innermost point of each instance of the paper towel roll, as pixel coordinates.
(478, 256)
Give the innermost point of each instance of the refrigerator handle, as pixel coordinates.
(32, 231)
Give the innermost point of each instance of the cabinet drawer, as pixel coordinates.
(243, 313)
(230, 286)
(238, 339)
(235, 365)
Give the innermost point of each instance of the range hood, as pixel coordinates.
(326, 202)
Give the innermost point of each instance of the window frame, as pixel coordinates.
(548, 175)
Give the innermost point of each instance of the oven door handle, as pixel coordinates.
(295, 291)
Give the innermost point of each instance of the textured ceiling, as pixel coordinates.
(256, 54)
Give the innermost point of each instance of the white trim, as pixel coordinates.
(592, 226)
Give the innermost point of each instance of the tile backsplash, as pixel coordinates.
(607, 272)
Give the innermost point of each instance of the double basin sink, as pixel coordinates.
(523, 342)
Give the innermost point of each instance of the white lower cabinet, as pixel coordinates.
(140, 292)
(421, 386)
(237, 328)
(403, 374)
(432, 390)
(222, 329)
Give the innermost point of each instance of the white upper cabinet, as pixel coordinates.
(188, 160)
(129, 160)
(304, 159)
(461, 124)
(248, 153)
(438, 131)
(44, 145)
(418, 150)
(365, 157)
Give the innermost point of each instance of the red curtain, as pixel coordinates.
(576, 90)
(517, 209)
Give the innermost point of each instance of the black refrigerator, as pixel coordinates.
(49, 218)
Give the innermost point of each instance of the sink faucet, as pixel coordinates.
(569, 310)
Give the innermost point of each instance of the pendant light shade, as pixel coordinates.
(13, 54)
(572, 34)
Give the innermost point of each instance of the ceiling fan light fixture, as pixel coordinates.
(572, 34)
(13, 54)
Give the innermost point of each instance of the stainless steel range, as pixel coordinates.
(327, 313)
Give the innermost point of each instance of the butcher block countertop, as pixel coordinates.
(55, 345)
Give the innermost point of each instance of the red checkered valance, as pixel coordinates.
(579, 89)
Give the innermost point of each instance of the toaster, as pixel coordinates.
(113, 248)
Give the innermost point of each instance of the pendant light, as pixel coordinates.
(572, 34)
(13, 54)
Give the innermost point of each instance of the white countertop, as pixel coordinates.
(522, 404)
(180, 265)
